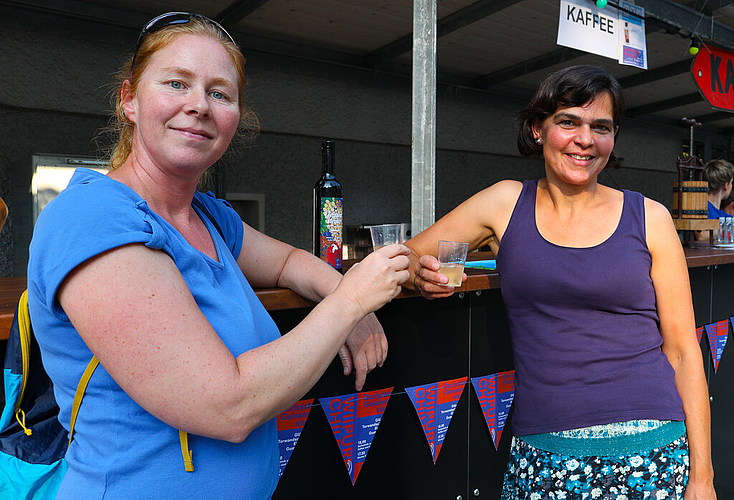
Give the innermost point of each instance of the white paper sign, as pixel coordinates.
(584, 26)
(616, 33)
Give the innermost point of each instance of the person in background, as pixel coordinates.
(155, 279)
(611, 399)
(727, 205)
(719, 174)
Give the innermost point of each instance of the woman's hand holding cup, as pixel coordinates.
(429, 281)
(376, 280)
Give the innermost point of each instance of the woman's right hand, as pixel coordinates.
(376, 280)
(431, 283)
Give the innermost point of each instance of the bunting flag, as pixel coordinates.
(354, 419)
(290, 425)
(435, 404)
(495, 393)
(699, 333)
(717, 334)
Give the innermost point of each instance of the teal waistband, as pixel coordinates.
(608, 446)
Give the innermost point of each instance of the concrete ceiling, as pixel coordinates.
(493, 47)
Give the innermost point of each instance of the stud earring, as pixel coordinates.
(537, 140)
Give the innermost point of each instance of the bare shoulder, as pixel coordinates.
(656, 211)
(504, 189)
(501, 195)
(475, 220)
(661, 234)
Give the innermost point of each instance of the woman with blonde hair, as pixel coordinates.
(155, 280)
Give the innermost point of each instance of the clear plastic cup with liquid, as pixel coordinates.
(452, 257)
(387, 234)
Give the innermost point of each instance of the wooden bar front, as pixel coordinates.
(465, 335)
(276, 299)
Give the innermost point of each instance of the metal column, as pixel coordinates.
(423, 177)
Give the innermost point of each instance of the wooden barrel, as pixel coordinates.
(694, 200)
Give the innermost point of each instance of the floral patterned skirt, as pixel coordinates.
(536, 474)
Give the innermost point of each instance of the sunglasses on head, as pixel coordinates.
(171, 19)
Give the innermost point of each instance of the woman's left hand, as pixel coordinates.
(700, 491)
(365, 349)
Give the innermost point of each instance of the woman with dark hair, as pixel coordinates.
(611, 399)
(154, 279)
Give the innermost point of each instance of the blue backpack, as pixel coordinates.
(32, 441)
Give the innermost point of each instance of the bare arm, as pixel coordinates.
(677, 326)
(267, 262)
(168, 358)
(480, 220)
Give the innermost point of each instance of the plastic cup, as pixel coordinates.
(387, 234)
(452, 257)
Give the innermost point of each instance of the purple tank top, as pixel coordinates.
(585, 337)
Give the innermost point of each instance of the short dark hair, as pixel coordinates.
(569, 87)
(718, 172)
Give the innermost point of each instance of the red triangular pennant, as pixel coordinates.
(435, 404)
(495, 393)
(354, 420)
(290, 425)
(717, 333)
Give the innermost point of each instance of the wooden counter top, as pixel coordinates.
(10, 291)
(277, 298)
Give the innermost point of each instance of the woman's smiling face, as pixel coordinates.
(577, 141)
(186, 108)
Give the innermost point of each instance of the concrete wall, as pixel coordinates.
(53, 99)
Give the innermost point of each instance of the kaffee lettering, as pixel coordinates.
(714, 64)
(590, 19)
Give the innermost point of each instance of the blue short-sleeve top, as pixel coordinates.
(119, 449)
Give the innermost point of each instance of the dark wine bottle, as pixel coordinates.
(327, 208)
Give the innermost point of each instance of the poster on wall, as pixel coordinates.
(632, 41)
(435, 405)
(495, 393)
(290, 424)
(354, 420)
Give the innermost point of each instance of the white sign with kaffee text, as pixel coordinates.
(584, 26)
(616, 32)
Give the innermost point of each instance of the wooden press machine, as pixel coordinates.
(690, 196)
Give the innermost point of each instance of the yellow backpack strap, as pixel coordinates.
(188, 455)
(82, 387)
(24, 331)
(20, 418)
(80, 393)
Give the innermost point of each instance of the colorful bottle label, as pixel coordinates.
(330, 231)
